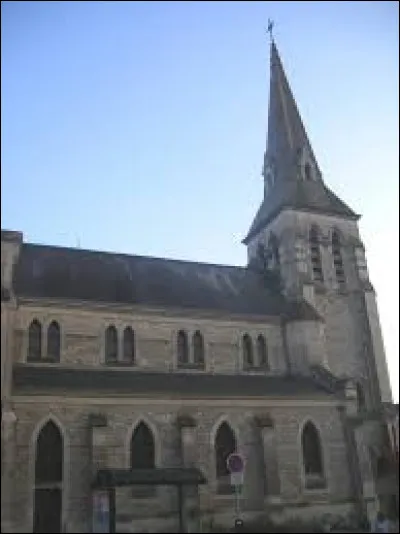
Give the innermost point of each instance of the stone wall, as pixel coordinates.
(292, 230)
(306, 344)
(378, 348)
(160, 415)
(82, 336)
(274, 471)
(354, 345)
(344, 333)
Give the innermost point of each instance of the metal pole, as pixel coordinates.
(180, 505)
(112, 510)
(236, 501)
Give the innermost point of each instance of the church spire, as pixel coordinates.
(292, 178)
(288, 148)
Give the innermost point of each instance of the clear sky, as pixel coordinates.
(140, 127)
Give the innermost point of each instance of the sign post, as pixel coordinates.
(101, 512)
(235, 465)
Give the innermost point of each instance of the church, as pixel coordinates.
(128, 381)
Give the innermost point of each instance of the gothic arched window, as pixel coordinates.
(198, 349)
(312, 457)
(142, 456)
(262, 256)
(384, 467)
(34, 341)
(49, 455)
(316, 262)
(111, 345)
(337, 257)
(54, 341)
(307, 172)
(49, 460)
(248, 357)
(183, 348)
(262, 352)
(142, 448)
(273, 246)
(129, 345)
(360, 397)
(225, 444)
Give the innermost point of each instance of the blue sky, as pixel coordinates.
(140, 127)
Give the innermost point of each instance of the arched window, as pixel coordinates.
(316, 262)
(262, 256)
(142, 456)
(34, 341)
(360, 397)
(312, 457)
(225, 444)
(53, 341)
(129, 345)
(273, 247)
(198, 349)
(337, 257)
(111, 346)
(48, 479)
(183, 348)
(307, 172)
(262, 352)
(248, 358)
(384, 467)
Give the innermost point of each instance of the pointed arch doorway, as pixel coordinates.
(47, 515)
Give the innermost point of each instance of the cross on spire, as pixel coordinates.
(289, 157)
(270, 28)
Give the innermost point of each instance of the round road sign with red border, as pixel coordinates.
(235, 463)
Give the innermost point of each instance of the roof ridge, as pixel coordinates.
(136, 256)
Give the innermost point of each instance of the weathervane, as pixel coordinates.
(270, 28)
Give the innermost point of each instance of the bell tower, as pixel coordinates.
(312, 237)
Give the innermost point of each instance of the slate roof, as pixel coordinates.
(301, 195)
(33, 378)
(68, 273)
(287, 139)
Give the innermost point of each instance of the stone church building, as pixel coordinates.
(124, 364)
